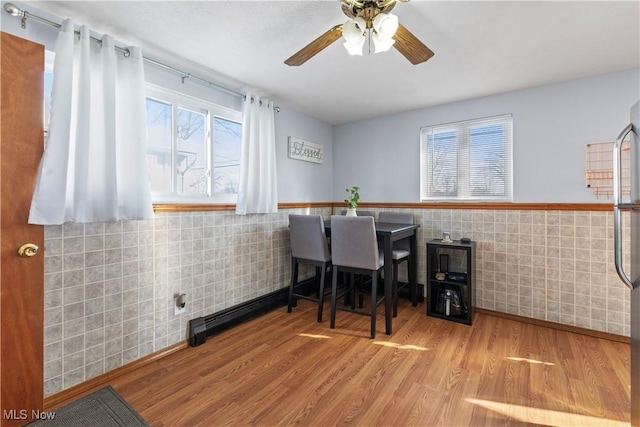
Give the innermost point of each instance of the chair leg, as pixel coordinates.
(396, 265)
(317, 273)
(352, 290)
(321, 292)
(374, 305)
(294, 282)
(334, 295)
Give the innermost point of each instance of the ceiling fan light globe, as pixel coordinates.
(385, 25)
(354, 48)
(354, 29)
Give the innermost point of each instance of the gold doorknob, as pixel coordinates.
(28, 250)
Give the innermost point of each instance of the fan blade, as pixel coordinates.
(313, 48)
(409, 45)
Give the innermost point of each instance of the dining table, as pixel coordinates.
(388, 233)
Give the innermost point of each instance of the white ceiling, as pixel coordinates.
(481, 47)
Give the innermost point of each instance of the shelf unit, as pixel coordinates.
(450, 267)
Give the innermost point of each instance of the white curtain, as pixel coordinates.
(258, 183)
(94, 164)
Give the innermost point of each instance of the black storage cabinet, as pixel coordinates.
(450, 268)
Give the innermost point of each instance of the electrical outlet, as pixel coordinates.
(179, 304)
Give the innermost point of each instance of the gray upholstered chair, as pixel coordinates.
(401, 250)
(308, 246)
(354, 249)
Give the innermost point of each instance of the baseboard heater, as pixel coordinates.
(201, 328)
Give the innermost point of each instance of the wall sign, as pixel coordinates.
(300, 149)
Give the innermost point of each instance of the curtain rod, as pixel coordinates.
(14, 10)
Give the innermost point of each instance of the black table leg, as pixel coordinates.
(388, 284)
(413, 271)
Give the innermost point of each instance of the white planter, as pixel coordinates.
(351, 212)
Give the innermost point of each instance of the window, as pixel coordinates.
(193, 151)
(469, 160)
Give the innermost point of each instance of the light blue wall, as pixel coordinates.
(552, 125)
(300, 181)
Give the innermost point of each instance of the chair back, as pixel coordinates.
(354, 243)
(359, 213)
(398, 218)
(307, 238)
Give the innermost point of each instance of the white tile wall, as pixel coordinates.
(109, 287)
(549, 265)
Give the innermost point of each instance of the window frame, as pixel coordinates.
(179, 100)
(462, 158)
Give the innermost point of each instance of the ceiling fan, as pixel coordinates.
(367, 18)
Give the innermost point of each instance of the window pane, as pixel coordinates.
(191, 158)
(227, 137)
(486, 160)
(159, 145)
(444, 163)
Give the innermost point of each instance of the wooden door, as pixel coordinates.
(21, 278)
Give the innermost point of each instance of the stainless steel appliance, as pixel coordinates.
(632, 280)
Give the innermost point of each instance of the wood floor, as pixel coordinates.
(286, 369)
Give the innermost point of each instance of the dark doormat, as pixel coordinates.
(102, 408)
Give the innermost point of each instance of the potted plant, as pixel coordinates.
(352, 200)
